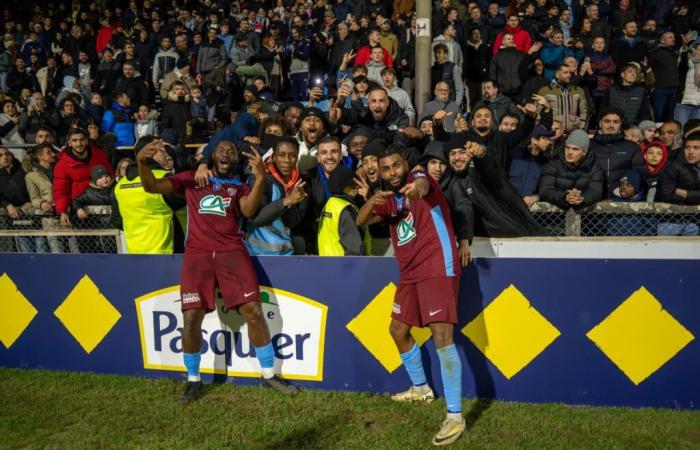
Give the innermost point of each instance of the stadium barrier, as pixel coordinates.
(601, 322)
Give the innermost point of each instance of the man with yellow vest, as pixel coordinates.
(146, 219)
(338, 235)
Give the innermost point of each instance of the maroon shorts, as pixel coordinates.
(426, 302)
(232, 272)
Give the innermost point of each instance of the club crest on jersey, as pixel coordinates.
(214, 204)
(405, 231)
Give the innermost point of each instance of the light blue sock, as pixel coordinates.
(451, 371)
(414, 365)
(192, 364)
(266, 357)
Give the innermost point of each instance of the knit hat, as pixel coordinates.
(181, 63)
(375, 147)
(252, 89)
(458, 140)
(645, 125)
(340, 178)
(579, 138)
(98, 172)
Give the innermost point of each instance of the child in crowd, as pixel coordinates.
(98, 193)
(199, 111)
(629, 188)
(655, 155)
(146, 122)
(94, 109)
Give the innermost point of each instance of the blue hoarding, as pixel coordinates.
(577, 331)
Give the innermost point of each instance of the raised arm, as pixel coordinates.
(150, 183)
(251, 202)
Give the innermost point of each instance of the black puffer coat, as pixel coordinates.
(560, 176)
(615, 156)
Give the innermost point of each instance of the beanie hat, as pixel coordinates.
(458, 140)
(314, 112)
(252, 89)
(645, 125)
(375, 147)
(340, 178)
(98, 172)
(579, 138)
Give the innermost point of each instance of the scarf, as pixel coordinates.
(288, 185)
(39, 168)
(324, 181)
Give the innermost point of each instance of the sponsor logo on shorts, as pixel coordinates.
(405, 231)
(432, 313)
(190, 298)
(214, 204)
(297, 328)
(396, 308)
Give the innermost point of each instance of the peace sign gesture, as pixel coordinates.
(255, 163)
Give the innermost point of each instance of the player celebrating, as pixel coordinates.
(424, 244)
(215, 255)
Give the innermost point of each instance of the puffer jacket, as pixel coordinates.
(615, 156)
(175, 115)
(118, 120)
(559, 176)
(93, 196)
(164, 63)
(679, 174)
(568, 103)
(71, 176)
(505, 68)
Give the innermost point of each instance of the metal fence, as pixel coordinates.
(619, 219)
(37, 232)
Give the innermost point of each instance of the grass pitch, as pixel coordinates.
(56, 410)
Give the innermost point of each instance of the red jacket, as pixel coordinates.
(104, 35)
(522, 39)
(363, 57)
(71, 176)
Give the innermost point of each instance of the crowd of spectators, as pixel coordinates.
(575, 101)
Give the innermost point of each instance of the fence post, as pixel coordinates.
(573, 223)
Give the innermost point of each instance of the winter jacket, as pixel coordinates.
(175, 115)
(39, 187)
(664, 63)
(164, 63)
(30, 123)
(240, 56)
(499, 143)
(506, 69)
(523, 40)
(299, 53)
(106, 76)
(135, 88)
(691, 92)
(171, 78)
(118, 120)
(93, 196)
(603, 69)
(484, 203)
(17, 81)
(9, 131)
(71, 176)
(632, 100)
(477, 61)
(339, 49)
(454, 51)
(559, 176)
(13, 189)
(624, 51)
(211, 55)
(615, 156)
(568, 105)
(679, 174)
(525, 170)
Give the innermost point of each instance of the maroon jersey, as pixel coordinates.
(421, 234)
(212, 213)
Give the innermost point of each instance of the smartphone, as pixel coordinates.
(587, 60)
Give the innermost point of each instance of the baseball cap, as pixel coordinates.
(541, 131)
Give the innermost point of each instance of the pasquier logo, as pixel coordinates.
(297, 327)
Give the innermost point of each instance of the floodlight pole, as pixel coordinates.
(423, 43)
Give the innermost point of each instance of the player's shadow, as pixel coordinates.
(470, 306)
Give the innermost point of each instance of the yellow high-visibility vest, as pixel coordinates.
(328, 237)
(147, 219)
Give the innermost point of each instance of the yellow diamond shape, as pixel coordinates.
(640, 337)
(17, 312)
(87, 314)
(510, 332)
(371, 328)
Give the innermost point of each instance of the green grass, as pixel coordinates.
(43, 409)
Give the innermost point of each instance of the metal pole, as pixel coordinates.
(423, 43)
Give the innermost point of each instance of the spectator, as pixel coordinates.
(47, 78)
(509, 66)
(399, 95)
(509, 122)
(477, 61)
(655, 158)
(628, 189)
(689, 106)
(176, 114)
(599, 26)
(212, 54)
(283, 205)
(629, 47)
(98, 193)
(69, 117)
(14, 196)
(521, 37)
(107, 73)
(146, 122)
(375, 66)
(526, 163)
(648, 131)
(364, 53)
(298, 49)
(342, 43)
(9, 129)
(181, 73)
(441, 102)
(629, 97)
(18, 79)
(454, 50)
(568, 102)
(671, 134)
(118, 120)
(661, 59)
(553, 53)
(574, 181)
(240, 51)
(679, 184)
(164, 62)
(338, 235)
(38, 178)
(72, 171)
(613, 153)
(446, 71)
(133, 85)
(601, 68)
(388, 40)
(497, 102)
